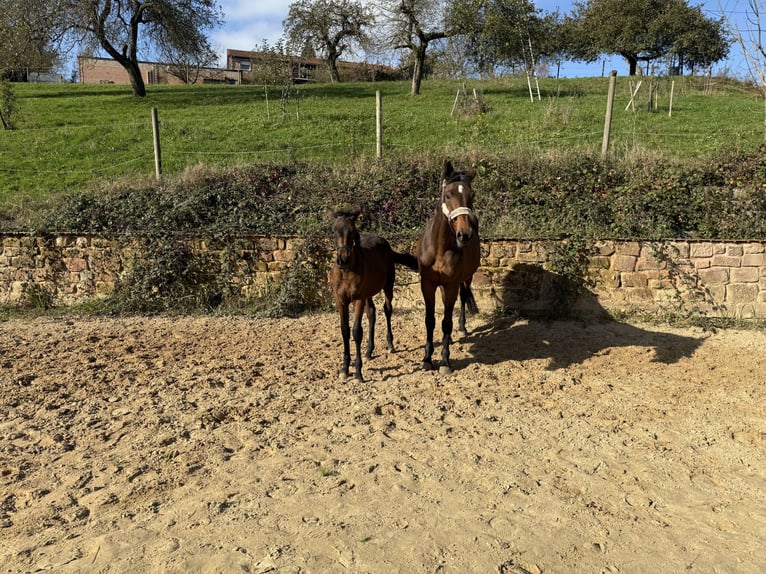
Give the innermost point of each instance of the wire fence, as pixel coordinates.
(62, 155)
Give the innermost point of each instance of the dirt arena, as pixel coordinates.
(201, 444)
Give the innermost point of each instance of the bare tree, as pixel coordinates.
(122, 27)
(330, 27)
(752, 42)
(413, 25)
(186, 62)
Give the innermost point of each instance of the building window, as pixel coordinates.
(244, 65)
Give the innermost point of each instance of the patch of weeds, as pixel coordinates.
(36, 297)
(304, 284)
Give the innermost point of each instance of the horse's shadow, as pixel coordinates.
(530, 329)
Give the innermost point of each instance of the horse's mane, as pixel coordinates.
(459, 176)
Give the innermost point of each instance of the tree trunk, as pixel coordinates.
(632, 63)
(136, 81)
(417, 71)
(334, 74)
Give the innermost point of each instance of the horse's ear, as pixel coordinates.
(330, 213)
(447, 169)
(356, 211)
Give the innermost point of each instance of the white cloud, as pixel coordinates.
(249, 10)
(248, 24)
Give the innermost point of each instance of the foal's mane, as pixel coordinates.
(458, 176)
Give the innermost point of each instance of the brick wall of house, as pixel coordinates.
(718, 279)
(108, 71)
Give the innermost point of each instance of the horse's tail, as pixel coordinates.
(409, 261)
(467, 298)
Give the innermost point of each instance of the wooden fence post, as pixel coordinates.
(378, 125)
(670, 105)
(609, 107)
(157, 154)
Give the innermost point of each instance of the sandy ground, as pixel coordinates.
(201, 444)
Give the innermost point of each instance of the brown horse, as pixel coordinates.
(364, 266)
(448, 254)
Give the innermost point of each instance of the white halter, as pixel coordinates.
(455, 213)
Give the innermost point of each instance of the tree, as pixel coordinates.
(29, 33)
(186, 56)
(753, 45)
(499, 32)
(329, 27)
(122, 27)
(643, 31)
(413, 25)
(701, 41)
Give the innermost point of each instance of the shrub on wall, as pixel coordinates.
(574, 196)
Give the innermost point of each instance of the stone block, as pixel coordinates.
(734, 250)
(701, 250)
(753, 260)
(649, 262)
(624, 263)
(634, 280)
(629, 248)
(741, 293)
(749, 248)
(714, 276)
(599, 262)
(604, 248)
(745, 275)
(727, 261)
(680, 249)
(605, 278)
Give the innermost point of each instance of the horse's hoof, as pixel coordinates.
(462, 334)
(445, 370)
(428, 366)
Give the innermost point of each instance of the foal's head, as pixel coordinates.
(457, 203)
(346, 236)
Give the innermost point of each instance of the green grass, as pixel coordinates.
(72, 136)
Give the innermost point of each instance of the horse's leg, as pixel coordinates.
(464, 291)
(345, 333)
(429, 298)
(449, 296)
(388, 309)
(357, 333)
(370, 309)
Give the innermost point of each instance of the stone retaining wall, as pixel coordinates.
(720, 279)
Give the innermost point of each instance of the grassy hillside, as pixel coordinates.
(70, 136)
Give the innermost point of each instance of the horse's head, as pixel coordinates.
(346, 236)
(457, 203)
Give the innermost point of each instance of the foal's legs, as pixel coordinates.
(345, 334)
(388, 309)
(370, 309)
(357, 333)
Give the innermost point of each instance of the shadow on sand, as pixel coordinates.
(550, 317)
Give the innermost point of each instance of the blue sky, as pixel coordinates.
(249, 23)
